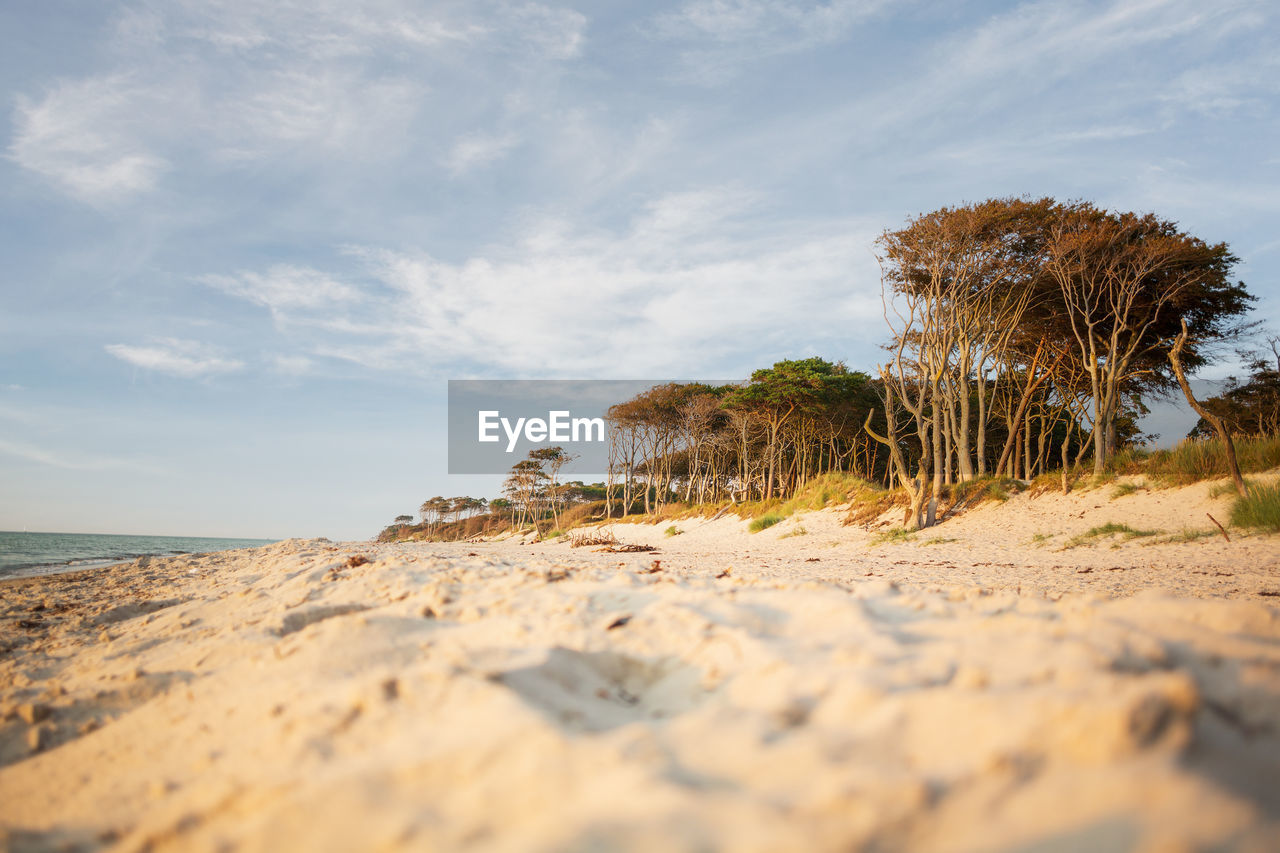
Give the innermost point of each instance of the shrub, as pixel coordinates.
(672, 531)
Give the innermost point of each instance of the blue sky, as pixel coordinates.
(246, 244)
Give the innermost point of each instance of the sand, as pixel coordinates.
(980, 687)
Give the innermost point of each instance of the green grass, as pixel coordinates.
(981, 490)
(1192, 461)
(1124, 489)
(672, 531)
(1041, 538)
(798, 530)
(893, 534)
(1260, 511)
(1187, 534)
(1105, 531)
(938, 540)
(764, 522)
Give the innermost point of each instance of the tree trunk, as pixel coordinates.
(1175, 358)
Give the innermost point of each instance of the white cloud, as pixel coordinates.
(785, 22)
(724, 35)
(177, 357)
(477, 150)
(284, 287)
(554, 33)
(85, 136)
(293, 365)
(321, 29)
(199, 84)
(694, 283)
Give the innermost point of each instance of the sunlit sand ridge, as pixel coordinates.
(729, 691)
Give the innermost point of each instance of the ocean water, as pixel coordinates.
(43, 553)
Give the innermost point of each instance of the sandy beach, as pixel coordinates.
(981, 686)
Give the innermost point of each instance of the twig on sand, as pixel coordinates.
(626, 549)
(1220, 527)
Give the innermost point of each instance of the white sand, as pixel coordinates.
(986, 693)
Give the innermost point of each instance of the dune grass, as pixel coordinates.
(1259, 511)
(1186, 534)
(893, 535)
(764, 522)
(1192, 461)
(1105, 531)
(1125, 489)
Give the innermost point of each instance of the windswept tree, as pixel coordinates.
(524, 487)
(551, 460)
(779, 395)
(1017, 320)
(1250, 406)
(1126, 283)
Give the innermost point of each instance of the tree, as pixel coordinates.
(775, 395)
(1124, 280)
(551, 460)
(523, 487)
(1175, 358)
(1251, 407)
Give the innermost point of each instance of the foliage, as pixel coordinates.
(1251, 407)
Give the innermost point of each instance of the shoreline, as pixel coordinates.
(730, 690)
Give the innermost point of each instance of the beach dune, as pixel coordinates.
(730, 692)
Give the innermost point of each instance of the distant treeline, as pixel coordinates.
(1023, 336)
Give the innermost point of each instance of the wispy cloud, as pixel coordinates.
(200, 86)
(85, 136)
(176, 357)
(692, 281)
(719, 37)
(293, 365)
(477, 150)
(283, 287)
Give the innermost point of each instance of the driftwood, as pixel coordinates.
(600, 537)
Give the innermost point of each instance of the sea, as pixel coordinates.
(24, 554)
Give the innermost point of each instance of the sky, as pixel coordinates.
(245, 244)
